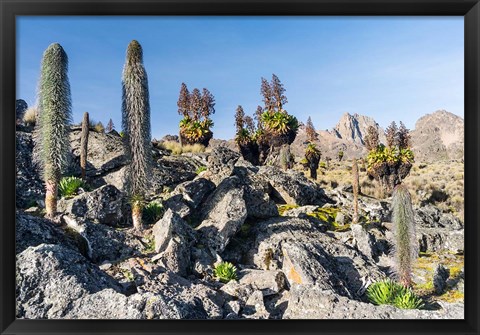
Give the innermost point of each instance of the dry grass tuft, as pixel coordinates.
(177, 149)
(30, 116)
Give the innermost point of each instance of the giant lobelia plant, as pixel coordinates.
(55, 114)
(136, 125)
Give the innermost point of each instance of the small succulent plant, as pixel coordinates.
(388, 292)
(152, 212)
(69, 186)
(225, 271)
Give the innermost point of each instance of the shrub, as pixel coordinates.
(152, 212)
(225, 271)
(193, 148)
(388, 292)
(177, 149)
(30, 116)
(99, 128)
(201, 169)
(69, 186)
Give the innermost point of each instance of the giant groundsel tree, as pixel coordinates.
(55, 114)
(136, 126)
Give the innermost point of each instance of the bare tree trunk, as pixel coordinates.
(84, 144)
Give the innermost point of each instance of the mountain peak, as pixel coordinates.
(354, 127)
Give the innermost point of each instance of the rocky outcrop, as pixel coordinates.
(105, 205)
(223, 214)
(20, 107)
(306, 255)
(292, 187)
(221, 162)
(314, 302)
(29, 188)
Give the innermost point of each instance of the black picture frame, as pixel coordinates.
(470, 9)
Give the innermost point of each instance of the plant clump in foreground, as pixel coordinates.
(225, 271)
(69, 186)
(388, 292)
(152, 212)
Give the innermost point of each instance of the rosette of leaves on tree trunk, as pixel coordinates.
(246, 136)
(405, 239)
(389, 165)
(278, 127)
(196, 108)
(52, 138)
(136, 126)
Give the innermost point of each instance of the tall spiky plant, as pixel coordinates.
(405, 240)
(136, 125)
(355, 186)
(84, 144)
(55, 111)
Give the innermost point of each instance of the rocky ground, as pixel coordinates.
(297, 253)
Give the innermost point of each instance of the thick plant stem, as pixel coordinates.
(406, 244)
(51, 198)
(355, 185)
(137, 216)
(84, 144)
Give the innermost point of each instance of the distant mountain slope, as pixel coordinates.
(438, 136)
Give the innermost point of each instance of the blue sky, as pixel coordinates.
(389, 68)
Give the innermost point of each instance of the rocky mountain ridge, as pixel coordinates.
(437, 136)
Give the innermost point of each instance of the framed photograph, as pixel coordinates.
(239, 167)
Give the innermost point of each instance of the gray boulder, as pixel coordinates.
(184, 299)
(292, 187)
(170, 224)
(31, 231)
(430, 216)
(177, 205)
(221, 163)
(313, 302)
(195, 191)
(20, 107)
(440, 276)
(307, 255)
(104, 243)
(29, 187)
(105, 205)
(256, 193)
(438, 239)
(224, 212)
(268, 282)
(176, 256)
(52, 279)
